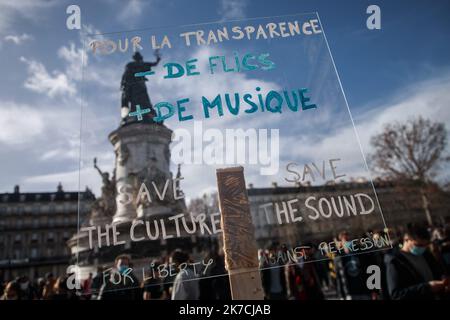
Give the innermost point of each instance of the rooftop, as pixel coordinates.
(275, 189)
(58, 195)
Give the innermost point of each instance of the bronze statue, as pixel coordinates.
(134, 90)
(107, 202)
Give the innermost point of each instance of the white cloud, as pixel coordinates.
(29, 9)
(90, 33)
(233, 9)
(18, 39)
(429, 99)
(24, 126)
(65, 149)
(39, 80)
(67, 81)
(19, 123)
(132, 10)
(42, 142)
(73, 57)
(64, 83)
(69, 180)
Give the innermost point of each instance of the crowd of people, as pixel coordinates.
(417, 267)
(121, 283)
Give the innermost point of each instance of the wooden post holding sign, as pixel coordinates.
(241, 253)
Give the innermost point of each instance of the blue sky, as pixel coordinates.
(390, 74)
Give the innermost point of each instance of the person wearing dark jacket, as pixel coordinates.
(273, 277)
(412, 272)
(27, 290)
(215, 285)
(97, 282)
(350, 275)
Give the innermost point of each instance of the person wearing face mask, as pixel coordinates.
(413, 272)
(26, 290)
(122, 283)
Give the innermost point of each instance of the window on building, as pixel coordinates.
(22, 198)
(17, 237)
(36, 209)
(34, 237)
(51, 208)
(19, 223)
(69, 207)
(35, 223)
(47, 208)
(66, 251)
(50, 236)
(27, 222)
(34, 253)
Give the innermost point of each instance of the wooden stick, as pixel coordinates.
(241, 253)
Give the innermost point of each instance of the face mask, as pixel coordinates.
(122, 269)
(348, 245)
(24, 286)
(417, 251)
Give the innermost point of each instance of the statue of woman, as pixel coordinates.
(134, 90)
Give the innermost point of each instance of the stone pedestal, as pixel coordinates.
(142, 156)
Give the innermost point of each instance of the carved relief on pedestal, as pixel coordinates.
(122, 154)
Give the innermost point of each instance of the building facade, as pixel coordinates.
(400, 204)
(34, 229)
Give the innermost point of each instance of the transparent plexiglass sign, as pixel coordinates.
(163, 108)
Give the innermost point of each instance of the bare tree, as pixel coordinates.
(410, 151)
